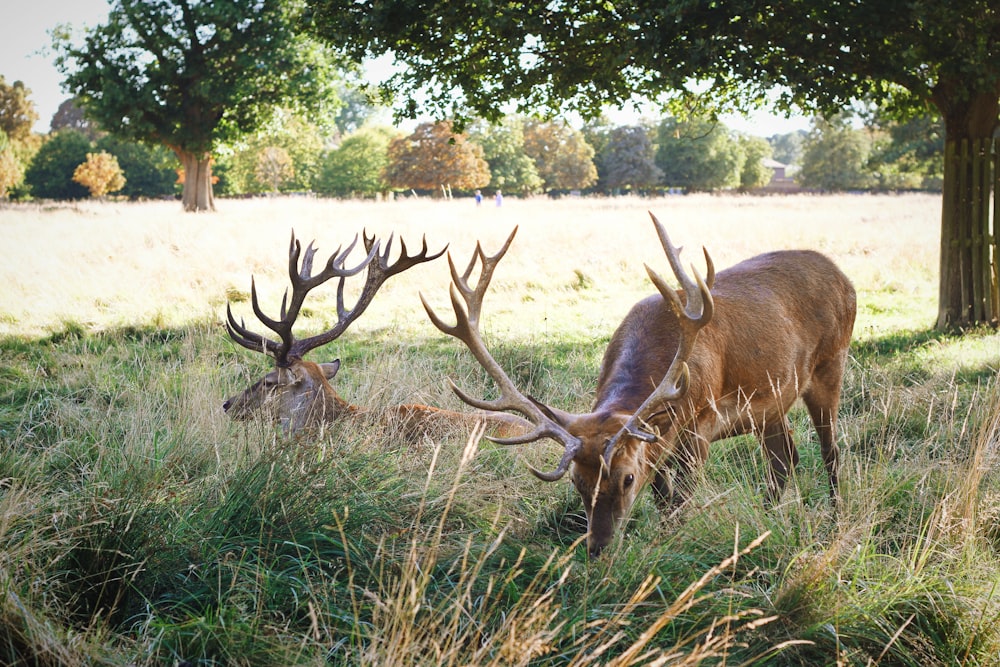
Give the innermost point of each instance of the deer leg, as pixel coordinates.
(782, 456)
(822, 400)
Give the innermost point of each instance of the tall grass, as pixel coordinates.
(140, 527)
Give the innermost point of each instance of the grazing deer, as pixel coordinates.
(723, 356)
(297, 393)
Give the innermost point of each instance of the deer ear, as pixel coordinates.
(330, 369)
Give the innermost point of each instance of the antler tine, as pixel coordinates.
(466, 329)
(379, 270)
(248, 339)
(691, 318)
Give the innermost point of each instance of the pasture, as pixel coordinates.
(141, 527)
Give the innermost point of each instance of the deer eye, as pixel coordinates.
(628, 481)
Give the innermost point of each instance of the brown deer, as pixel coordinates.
(297, 394)
(725, 355)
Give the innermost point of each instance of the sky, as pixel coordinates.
(26, 55)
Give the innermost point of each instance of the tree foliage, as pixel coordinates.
(11, 171)
(150, 171)
(195, 75)
(70, 116)
(698, 155)
(819, 55)
(357, 167)
(511, 169)
(627, 160)
(274, 167)
(17, 112)
(100, 174)
(753, 173)
(50, 175)
(562, 156)
(434, 157)
(834, 157)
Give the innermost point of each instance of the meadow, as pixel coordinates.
(140, 526)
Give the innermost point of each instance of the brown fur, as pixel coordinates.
(301, 398)
(781, 331)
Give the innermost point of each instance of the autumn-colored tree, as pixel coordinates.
(100, 174)
(435, 157)
(17, 112)
(564, 159)
(274, 167)
(18, 144)
(11, 171)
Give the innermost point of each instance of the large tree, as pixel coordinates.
(194, 75)
(818, 54)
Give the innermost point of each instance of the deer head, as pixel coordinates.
(722, 356)
(297, 393)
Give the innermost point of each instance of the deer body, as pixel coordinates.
(723, 356)
(781, 330)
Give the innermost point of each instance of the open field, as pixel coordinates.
(141, 527)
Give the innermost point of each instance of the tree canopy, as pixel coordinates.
(194, 75)
(482, 56)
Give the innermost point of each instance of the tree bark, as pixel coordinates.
(197, 194)
(968, 290)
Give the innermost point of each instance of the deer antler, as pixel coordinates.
(691, 319)
(303, 281)
(466, 329)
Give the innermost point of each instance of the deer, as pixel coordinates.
(297, 394)
(724, 355)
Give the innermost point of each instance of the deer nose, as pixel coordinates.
(594, 551)
(227, 404)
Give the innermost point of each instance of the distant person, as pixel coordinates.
(499, 199)
(479, 197)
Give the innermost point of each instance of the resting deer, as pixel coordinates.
(297, 393)
(725, 355)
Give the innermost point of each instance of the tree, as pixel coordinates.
(100, 174)
(628, 159)
(17, 112)
(150, 171)
(697, 154)
(753, 173)
(17, 142)
(70, 116)
(11, 171)
(787, 148)
(194, 75)
(908, 155)
(511, 169)
(434, 157)
(817, 55)
(834, 157)
(563, 158)
(358, 165)
(50, 174)
(302, 140)
(274, 167)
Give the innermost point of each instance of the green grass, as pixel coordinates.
(140, 527)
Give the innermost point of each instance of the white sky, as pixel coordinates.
(26, 55)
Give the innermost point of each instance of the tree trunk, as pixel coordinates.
(969, 253)
(197, 194)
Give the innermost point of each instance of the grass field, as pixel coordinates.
(141, 527)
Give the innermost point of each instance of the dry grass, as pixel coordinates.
(103, 265)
